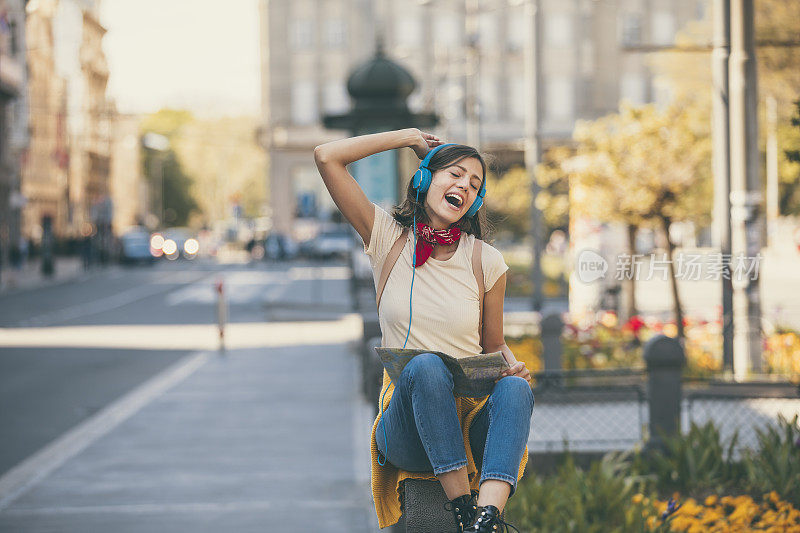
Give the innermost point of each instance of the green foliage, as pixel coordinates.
(789, 165)
(776, 464)
(692, 463)
(615, 493)
(508, 198)
(166, 122)
(179, 204)
(573, 500)
(226, 164)
(636, 166)
(508, 201)
(211, 164)
(778, 77)
(171, 184)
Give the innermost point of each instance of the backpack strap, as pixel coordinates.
(388, 264)
(477, 269)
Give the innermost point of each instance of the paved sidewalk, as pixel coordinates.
(31, 276)
(267, 439)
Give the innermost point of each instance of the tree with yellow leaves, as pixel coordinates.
(644, 166)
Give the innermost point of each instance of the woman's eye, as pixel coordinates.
(454, 174)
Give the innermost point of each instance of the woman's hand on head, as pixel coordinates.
(517, 369)
(424, 143)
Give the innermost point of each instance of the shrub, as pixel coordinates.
(696, 462)
(775, 465)
(573, 500)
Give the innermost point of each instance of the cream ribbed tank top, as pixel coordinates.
(445, 301)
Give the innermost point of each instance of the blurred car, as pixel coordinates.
(278, 247)
(135, 247)
(179, 242)
(333, 242)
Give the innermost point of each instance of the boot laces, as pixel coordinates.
(488, 522)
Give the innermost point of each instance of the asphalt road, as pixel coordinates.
(45, 391)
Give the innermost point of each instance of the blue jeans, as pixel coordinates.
(424, 433)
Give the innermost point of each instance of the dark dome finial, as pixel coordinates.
(380, 77)
(380, 51)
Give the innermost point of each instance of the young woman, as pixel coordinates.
(422, 427)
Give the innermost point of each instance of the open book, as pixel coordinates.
(473, 376)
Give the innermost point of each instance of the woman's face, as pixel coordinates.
(460, 182)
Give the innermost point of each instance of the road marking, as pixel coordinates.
(38, 466)
(103, 305)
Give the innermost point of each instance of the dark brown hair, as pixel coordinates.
(443, 158)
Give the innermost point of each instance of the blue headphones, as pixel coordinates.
(423, 177)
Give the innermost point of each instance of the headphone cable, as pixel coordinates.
(410, 311)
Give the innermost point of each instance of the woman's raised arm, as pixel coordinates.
(332, 159)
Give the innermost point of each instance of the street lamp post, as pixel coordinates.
(746, 196)
(721, 168)
(160, 145)
(533, 147)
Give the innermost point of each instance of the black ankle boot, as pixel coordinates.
(490, 521)
(464, 510)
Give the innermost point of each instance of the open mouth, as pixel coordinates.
(454, 201)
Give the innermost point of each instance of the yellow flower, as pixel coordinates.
(637, 498)
(670, 330)
(711, 501)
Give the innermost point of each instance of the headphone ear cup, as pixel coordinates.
(425, 179)
(475, 206)
(416, 180)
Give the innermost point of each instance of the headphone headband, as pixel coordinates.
(429, 155)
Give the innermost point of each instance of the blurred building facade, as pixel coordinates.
(45, 172)
(13, 123)
(128, 188)
(68, 175)
(454, 49)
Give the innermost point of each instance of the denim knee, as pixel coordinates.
(512, 390)
(428, 370)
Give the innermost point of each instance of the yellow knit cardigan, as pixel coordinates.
(386, 479)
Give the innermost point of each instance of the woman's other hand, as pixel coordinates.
(517, 369)
(424, 143)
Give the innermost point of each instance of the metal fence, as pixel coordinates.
(597, 411)
(588, 411)
(743, 414)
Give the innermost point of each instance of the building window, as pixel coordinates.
(516, 98)
(700, 9)
(488, 98)
(516, 30)
(560, 98)
(663, 28)
(446, 31)
(631, 29)
(587, 58)
(558, 30)
(450, 98)
(335, 97)
(487, 30)
(408, 30)
(632, 88)
(304, 103)
(335, 32)
(302, 34)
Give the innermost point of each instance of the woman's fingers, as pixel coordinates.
(517, 369)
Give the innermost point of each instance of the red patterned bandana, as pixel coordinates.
(427, 237)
